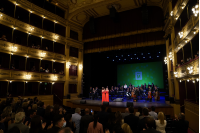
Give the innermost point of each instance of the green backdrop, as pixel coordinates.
(140, 73)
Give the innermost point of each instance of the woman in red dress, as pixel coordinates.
(107, 95)
(103, 95)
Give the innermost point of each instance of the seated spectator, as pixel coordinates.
(41, 69)
(31, 113)
(40, 109)
(126, 113)
(126, 128)
(12, 66)
(48, 116)
(54, 70)
(33, 46)
(3, 37)
(141, 124)
(149, 121)
(180, 124)
(59, 122)
(161, 123)
(19, 119)
(85, 121)
(33, 68)
(2, 9)
(58, 110)
(69, 122)
(36, 125)
(153, 113)
(109, 110)
(103, 116)
(111, 122)
(95, 126)
(7, 112)
(65, 130)
(14, 130)
(132, 120)
(139, 113)
(118, 118)
(76, 118)
(34, 107)
(47, 71)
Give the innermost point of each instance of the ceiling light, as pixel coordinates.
(188, 80)
(180, 81)
(10, 81)
(193, 81)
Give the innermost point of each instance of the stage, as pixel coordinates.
(120, 106)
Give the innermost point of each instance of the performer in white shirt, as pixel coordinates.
(125, 86)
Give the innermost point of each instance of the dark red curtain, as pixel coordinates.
(182, 94)
(58, 91)
(73, 70)
(73, 52)
(130, 20)
(3, 88)
(72, 88)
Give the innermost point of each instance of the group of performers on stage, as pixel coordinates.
(131, 92)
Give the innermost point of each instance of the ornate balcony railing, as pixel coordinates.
(27, 28)
(11, 75)
(189, 31)
(6, 47)
(183, 71)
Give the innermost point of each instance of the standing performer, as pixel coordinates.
(107, 95)
(157, 94)
(103, 95)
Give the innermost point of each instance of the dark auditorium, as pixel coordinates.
(99, 66)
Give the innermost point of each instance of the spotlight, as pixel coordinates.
(157, 56)
(149, 56)
(119, 59)
(107, 57)
(128, 55)
(137, 58)
(148, 53)
(143, 57)
(159, 52)
(141, 53)
(113, 60)
(131, 58)
(116, 56)
(134, 54)
(124, 59)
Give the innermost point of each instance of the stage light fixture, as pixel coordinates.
(131, 58)
(143, 57)
(119, 59)
(107, 57)
(134, 54)
(128, 55)
(157, 56)
(124, 59)
(116, 56)
(159, 52)
(113, 60)
(137, 58)
(141, 53)
(148, 53)
(149, 56)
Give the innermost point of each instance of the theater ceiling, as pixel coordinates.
(79, 11)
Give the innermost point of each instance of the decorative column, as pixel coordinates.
(66, 70)
(80, 70)
(171, 88)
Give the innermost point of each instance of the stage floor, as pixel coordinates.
(139, 103)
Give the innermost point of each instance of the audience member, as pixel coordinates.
(38, 47)
(41, 69)
(58, 109)
(109, 110)
(111, 122)
(65, 130)
(33, 68)
(19, 119)
(36, 125)
(126, 128)
(76, 118)
(153, 113)
(149, 122)
(69, 122)
(59, 122)
(132, 120)
(126, 113)
(54, 70)
(48, 116)
(7, 112)
(161, 122)
(34, 107)
(85, 121)
(3, 37)
(180, 124)
(118, 118)
(103, 116)
(40, 109)
(47, 71)
(14, 130)
(95, 126)
(30, 114)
